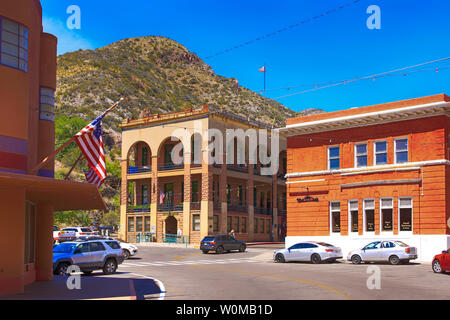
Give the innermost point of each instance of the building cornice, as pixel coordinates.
(370, 118)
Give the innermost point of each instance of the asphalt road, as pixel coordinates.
(189, 274)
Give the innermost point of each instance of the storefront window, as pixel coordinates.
(138, 224)
(196, 222)
(353, 209)
(405, 214)
(335, 209)
(236, 224)
(229, 224)
(216, 223)
(147, 224)
(386, 214)
(144, 194)
(369, 214)
(244, 225)
(268, 226)
(131, 224)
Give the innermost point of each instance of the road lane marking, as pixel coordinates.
(187, 255)
(313, 283)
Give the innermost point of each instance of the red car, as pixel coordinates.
(441, 262)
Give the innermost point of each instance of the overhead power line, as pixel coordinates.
(268, 35)
(373, 76)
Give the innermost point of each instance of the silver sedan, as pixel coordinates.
(394, 252)
(316, 252)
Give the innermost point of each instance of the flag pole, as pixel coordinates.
(53, 154)
(73, 167)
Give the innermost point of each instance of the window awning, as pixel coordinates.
(61, 194)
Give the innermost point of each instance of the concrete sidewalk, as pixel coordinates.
(95, 287)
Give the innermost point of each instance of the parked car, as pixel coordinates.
(62, 236)
(441, 262)
(103, 255)
(392, 251)
(221, 243)
(316, 252)
(80, 231)
(128, 249)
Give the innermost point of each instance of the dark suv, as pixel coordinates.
(221, 243)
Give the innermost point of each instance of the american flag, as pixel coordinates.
(91, 144)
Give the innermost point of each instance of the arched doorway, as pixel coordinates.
(171, 225)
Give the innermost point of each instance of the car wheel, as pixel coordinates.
(126, 254)
(219, 250)
(436, 265)
(110, 266)
(205, 251)
(315, 258)
(394, 260)
(241, 248)
(61, 270)
(279, 258)
(356, 259)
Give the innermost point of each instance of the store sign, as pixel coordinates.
(308, 199)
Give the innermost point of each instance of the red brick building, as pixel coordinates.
(373, 172)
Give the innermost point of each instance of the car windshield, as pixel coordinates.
(64, 248)
(85, 230)
(401, 244)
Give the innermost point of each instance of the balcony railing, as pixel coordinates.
(173, 238)
(142, 237)
(266, 211)
(134, 170)
(170, 166)
(195, 205)
(138, 209)
(165, 207)
(237, 208)
(237, 168)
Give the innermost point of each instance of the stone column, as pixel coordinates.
(275, 225)
(206, 205)
(250, 204)
(187, 195)
(44, 243)
(154, 196)
(223, 196)
(123, 201)
(12, 231)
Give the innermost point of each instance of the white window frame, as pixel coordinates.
(364, 216)
(395, 149)
(375, 152)
(328, 156)
(350, 232)
(356, 154)
(381, 215)
(412, 215)
(331, 218)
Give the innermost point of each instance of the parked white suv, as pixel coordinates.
(392, 251)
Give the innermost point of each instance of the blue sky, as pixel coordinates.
(335, 47)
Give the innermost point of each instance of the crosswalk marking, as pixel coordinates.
(184, 263)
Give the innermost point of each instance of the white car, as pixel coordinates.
(62, 236)
(392, 251)
(80, 231)
(128, 250)
(316, 252)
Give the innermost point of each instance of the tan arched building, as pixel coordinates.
(27, 135)
(168, 201)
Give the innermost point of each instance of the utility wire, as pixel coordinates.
(373, 76)
(268, 35)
